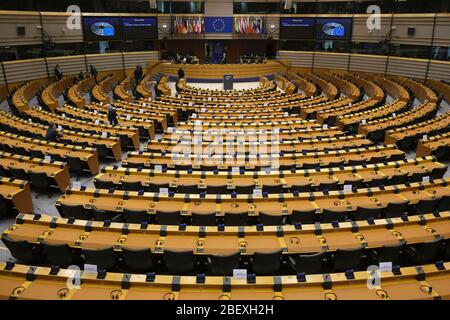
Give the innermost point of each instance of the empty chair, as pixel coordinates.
(235, 219)
(309, 165)
(386, 254)
(399, 179)
(203, 219)
(301, 187)
(423, 252)
(104, 259)
(37, 154)
(76, 211)
(18, 174)
(441, 153)
(309, 263)
(444, 203)
(354, 162)
(138, 260)
(155, 187)
(168, 217)
(330, 186)
(103, 151)
(304, 217)
(204, 167)
(132, 185)
(75, 164)
(364, 213)
(272, 188)
(426, 206)
(348, 259)
(41, 181)
(60, 255)
(23, 251)
(4, 207)
(268, 219)
(377, 159)
(396, 209)
(223, 265)
(216, 189)
(438, 173)
(248, 189)
(179, 262)
(102, 215)
(102, 184)
(187, 188)
(329, 215)
(266, 263)
(135, 216)
(417, 176)
(183, 167)
(377, 182)
(125, 142)
(20, 151)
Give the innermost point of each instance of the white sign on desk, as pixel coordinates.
(95, 111)
(363, 121)
(386, 266)
(164, 191)
(235, 170)
(128, 117)
(158, 167)
(190, 104)
(170, 129)
(104, 134)
(240, 273)
(347, 187)
(96, 121)
(63, 115)
(76, 184)
(141, 110)
(59, 128)
(29, 120)
(48, 158)
(426, 179)
(325, 126)
(257, 192)
(90, 268)
(194, 115)
(425, 137)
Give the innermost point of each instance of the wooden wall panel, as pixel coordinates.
(69, 65)
(413, 68)
(336, 61)
(24, 70)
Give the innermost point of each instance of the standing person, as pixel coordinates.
(58, 73)
(224, 58)
(152, 89)
(208, 51)
(180, 73)
(52, 133)
(93, 71)
(112, 116)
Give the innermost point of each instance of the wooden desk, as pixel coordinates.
(51, 94)
(40, 115)
(57, 171)
(18, 192)
(319, 159)
(273, 203)
(286, 178)
(427, 147)
(43, 286)
(86, 155)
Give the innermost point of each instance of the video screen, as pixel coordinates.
(139, 28)
(297, 28)
(101, 28)
(248, 25)
(334, 29)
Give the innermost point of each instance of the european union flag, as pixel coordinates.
(218, 24)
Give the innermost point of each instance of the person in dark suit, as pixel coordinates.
(52, 134)
(180, 73)
(112, 116)
(58, 73)
(94, 72)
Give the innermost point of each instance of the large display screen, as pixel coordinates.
(297, 28)
(334, 29)
(135, 28)
(248, 24)
(101, 28)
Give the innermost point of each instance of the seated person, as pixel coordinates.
(52, 133)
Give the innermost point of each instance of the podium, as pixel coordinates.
(228, 81)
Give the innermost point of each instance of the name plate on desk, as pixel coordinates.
(347, 187)
(425, 137)
(90, 268)
(386, 266)
(59, 128)
(257, 192)
(76, 184)
(48, 158)
(426, 179)
(240, 274)
(235, 170)
(104, 134)
(158, 167)
(164, 191)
